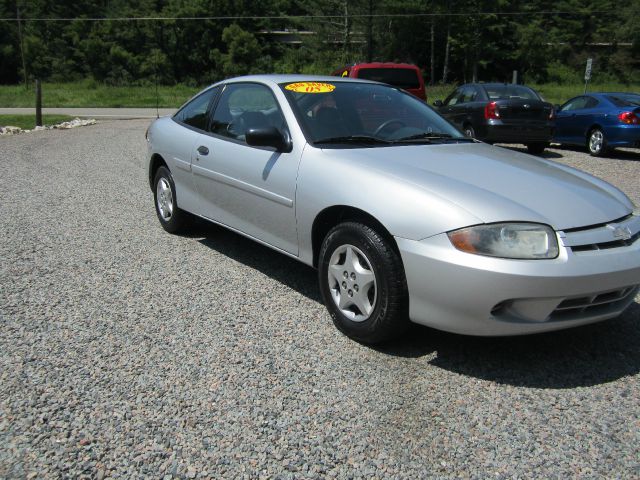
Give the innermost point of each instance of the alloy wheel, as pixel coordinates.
(596, 140)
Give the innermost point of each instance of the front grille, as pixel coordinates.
(595, 304)
(598, 225)
(606, 245)
(603, 236)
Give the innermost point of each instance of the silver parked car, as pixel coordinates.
(403, 217)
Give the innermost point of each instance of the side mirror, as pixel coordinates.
(556, 107)
(438, 103)
(268, 137)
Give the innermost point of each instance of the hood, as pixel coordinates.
(497, 184)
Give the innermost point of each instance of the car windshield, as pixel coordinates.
(398, 77)
(365, 114)
(625, 99)
(506, 91)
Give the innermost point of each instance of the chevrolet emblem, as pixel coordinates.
(621, 233)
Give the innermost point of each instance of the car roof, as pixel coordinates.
(384, 65)
(288, 78)
(494, 84)
(600, 94)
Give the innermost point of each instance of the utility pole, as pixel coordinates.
(370, 33)
(447, 47)
(432, 80)
(347, 31)
(24, 63)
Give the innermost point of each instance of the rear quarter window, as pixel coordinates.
(625, 100)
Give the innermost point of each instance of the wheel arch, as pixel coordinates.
(332, 216)
(154, 164)
(591, 128)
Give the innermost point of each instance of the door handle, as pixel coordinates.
(202, 150)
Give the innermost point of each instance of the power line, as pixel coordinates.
(288, 17)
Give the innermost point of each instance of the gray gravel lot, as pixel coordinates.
(126, 352)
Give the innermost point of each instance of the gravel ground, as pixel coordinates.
(126, 352)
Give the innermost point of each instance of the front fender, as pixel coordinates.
(405, 210)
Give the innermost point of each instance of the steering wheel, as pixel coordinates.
(384, 125)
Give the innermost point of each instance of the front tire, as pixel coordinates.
(597, 143)
(363, 284)
(172, 219)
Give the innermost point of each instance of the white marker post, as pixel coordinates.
(587, 73)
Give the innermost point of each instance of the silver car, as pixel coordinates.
(403, 217)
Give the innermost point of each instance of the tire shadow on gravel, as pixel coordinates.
(583, 356)
(616, 154)
(579, 357)
(277, 266)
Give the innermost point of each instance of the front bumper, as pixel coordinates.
(476, 295)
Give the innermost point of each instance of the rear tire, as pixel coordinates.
(363, 284)
(597, 143)
(172, 219)
(537, 148)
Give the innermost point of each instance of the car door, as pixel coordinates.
(459, 106)
(585, 117)
(179, 151)
(250, 189)
(568, 119)
(448, 108)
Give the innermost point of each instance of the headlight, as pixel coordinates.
(507, 240)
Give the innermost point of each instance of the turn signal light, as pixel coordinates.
(491, 111)
(629, 118)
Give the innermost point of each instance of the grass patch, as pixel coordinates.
(438, 92)
(92, 94)
(89, 93)
(28, 122)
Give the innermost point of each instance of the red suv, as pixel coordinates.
(401, 75)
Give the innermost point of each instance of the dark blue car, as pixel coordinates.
(601, 121)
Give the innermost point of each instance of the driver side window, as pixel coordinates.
(194, 114)
(454, 98)
(244, 106)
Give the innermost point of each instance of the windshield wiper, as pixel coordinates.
(427, 136)
(361, 139)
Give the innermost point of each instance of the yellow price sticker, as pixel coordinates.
(311, 87)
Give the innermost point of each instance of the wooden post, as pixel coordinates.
(38, 104)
